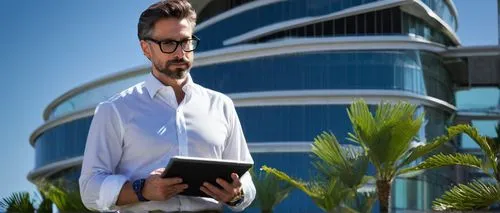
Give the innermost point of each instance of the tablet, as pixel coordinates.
(194, 171)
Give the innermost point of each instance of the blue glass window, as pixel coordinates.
(214, 35)
(406, 70)
(62, 142)
(443, 10)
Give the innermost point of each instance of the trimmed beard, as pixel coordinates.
(177, 73)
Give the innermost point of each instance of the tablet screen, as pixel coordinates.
(195, 171)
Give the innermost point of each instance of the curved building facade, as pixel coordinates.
(292, 67)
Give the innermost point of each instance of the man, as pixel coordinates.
(134, 134)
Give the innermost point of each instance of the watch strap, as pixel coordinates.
(138, 185)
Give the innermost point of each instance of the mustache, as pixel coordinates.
(178, 61)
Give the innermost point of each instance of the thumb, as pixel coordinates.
(236, 180)
(158, 171)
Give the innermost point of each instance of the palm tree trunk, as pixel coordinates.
(384, 195)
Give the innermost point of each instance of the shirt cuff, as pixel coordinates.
(109, 191)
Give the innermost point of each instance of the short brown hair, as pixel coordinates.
(179, 9)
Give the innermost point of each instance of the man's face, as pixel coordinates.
(177, 64)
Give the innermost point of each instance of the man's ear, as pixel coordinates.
(145, 49)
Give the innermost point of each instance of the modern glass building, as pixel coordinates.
(480, 107)
(292, 67)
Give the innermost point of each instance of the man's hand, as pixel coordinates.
(158, 188)
(228, 191)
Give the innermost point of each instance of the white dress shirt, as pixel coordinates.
(140, 129)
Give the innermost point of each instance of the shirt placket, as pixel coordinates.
(180, 122)
(168, 96)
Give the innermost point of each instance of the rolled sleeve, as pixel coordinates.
(237, 149)
(99, 185)
(109, 191)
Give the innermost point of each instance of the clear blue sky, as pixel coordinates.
(50, 47)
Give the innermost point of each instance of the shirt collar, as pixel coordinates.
(152, 84)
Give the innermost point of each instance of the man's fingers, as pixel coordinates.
(227, 186)
(222, 195)
(171, 181)
(176, 189)
(158, 188)
(170, 191)
(209, 193)
(181, 187)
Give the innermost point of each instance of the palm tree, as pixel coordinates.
(63, 194)
(476, 194)
(341, 173)
(386, 139)
(270, 191)
(18, 202)
(45, 205)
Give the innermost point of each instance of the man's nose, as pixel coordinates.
(179, 52)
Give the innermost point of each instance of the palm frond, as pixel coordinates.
(473, 133)
(353, 138)
(60, 193)
(480, 140)
(327, 194)
(440, 160)
(327, 148)
(270, 190)
(332, 192)
(45, 205)
(346, 162)
(363, 125)
(494, 142)
(301, 185)
(398, 127)
(363, 202)
(472, 196)
(425, 149)
(393, 126)
(18, 202)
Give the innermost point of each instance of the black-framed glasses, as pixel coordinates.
(170, 46)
